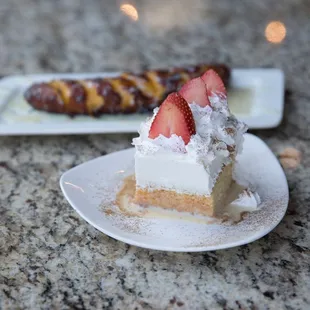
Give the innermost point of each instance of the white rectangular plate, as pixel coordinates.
(256, 96)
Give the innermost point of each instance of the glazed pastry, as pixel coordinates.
(128, 93)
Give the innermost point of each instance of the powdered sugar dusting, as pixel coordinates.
(264, 176)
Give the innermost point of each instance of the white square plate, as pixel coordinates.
(91, 190)
(256, 97)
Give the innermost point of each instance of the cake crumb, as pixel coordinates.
(290, 158)
(243, 215)
(109, 212)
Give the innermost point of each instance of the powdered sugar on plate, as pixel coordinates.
(101, 179)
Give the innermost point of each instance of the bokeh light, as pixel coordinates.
(130, 10)
(275, 32)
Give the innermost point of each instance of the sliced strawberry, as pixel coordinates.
(214, 84)
(174, 117)
(195, 91)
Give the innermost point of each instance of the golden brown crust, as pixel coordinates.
(173, 200)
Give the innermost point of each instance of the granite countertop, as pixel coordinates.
(52, 259)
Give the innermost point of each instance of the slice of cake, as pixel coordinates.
(185, 153)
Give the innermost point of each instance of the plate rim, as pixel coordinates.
(129, 241)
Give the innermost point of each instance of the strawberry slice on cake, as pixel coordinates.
(195, 91)
(214, 84)
(184, 159)
(174, 117)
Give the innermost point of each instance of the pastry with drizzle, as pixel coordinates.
(125, 94)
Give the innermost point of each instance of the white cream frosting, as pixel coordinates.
(217, 133)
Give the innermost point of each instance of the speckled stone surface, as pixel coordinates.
(52, 259)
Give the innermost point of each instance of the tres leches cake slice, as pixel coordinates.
(185, 153)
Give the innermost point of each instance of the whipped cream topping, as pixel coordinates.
(218, 136)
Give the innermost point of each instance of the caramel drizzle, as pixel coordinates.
(93, 100)
(127, 99)
(145, 86)
(150, 87)
(63, 90)
(158, 89)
